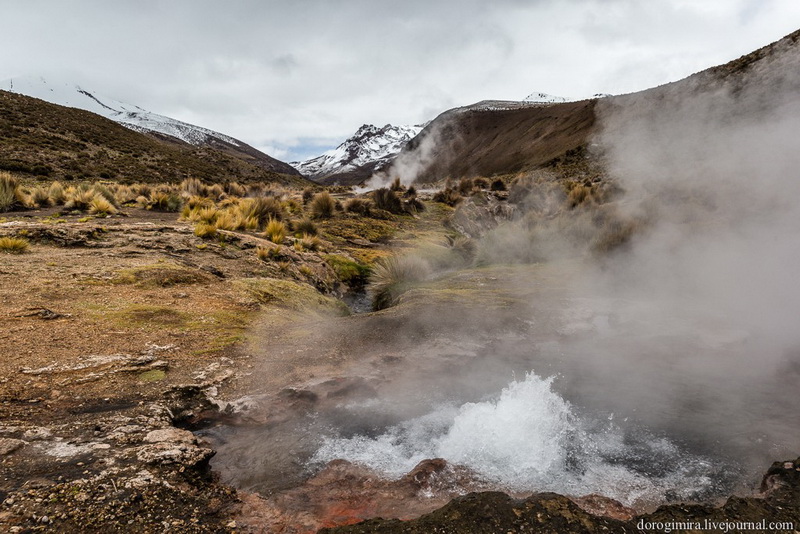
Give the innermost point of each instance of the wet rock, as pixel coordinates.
(604, 506)
(9, 445)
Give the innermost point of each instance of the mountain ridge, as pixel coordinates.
(368, 150)
(138, 119)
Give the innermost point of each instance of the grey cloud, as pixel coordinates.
(281, 71)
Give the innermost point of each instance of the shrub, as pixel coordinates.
(411, 192)
(11, 194)
(396, 186)
(323, 205)
(39, 197)
(275, 231)
(105, 192)
(193, 187)
(308, 194)
(164, 201)
(263, 253)
(361, 206)
(414, 205)
(578, 195)
(393, 276)
(465, 186)
(262, 208)
(480, 183)
(448, 196)
(250, 223)
(227, 220)
(306, 226)
(205, 230)
(387, 199)
(124, 194)
(13, 245)
(309, 242)
(498, 185)
(55, 194)
(293, 206)
(215, 192)
(79, 199)
(235, 189)
(101, 206)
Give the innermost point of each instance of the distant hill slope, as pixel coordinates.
(496, 137)
(369, 149)
(141, 120)
(43, 139)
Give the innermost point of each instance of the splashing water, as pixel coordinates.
(530, 439)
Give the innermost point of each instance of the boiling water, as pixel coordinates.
(530, 439)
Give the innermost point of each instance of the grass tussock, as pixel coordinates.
(498, 185)
(39, 197)
(359, 206)
(167, 201)
(393, 276)
(275, 231)
(322, 205)
(306, 227)
(55, 194)
(100, 205)
(205, 230)
(308, 243)
(387, 200)
(261, 209)
(448, 196)
(266, 253)
(227, 220)
(79, 199)
(11, 194)
(14, 245)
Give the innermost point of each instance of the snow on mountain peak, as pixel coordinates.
(128, 115)
(369, 145)
(544, 98)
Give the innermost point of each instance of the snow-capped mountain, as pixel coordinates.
(136, 118)
(369, 148)
(544, 98)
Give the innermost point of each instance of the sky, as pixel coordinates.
(296, 78)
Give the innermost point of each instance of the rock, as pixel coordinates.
(37, 433)
(9, 445)
(171, 435)
(604, 506)
(172, 453)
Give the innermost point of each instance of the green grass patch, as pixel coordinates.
(348, 271)
(152, 376)
(351, 227)
(290, 296)
(162, 275)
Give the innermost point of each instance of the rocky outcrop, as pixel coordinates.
(777, 506)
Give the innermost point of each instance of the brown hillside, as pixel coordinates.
(484, 140)
(40, 139)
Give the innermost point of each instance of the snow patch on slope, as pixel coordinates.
(370, 144)
(128, 115)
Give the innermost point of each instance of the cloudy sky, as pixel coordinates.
(295, 78)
